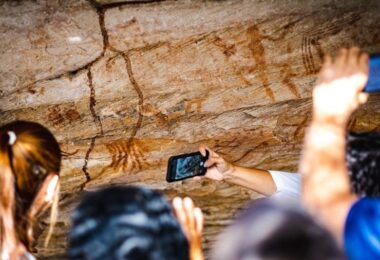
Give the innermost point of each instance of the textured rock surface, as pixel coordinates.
(124, 86)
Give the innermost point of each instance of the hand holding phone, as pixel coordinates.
(185, 166)
(217, 166)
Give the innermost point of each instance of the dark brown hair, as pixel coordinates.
(28, 153)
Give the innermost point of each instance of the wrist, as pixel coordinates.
(331, 121)
(196, 253)
(323, 134)
(229, 173)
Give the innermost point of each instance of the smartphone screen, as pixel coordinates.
(373, 84)
(185, 166)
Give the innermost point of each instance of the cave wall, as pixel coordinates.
(124, 85)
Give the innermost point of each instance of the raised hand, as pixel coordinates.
(339, 87)
(191, 220)
(217, 167)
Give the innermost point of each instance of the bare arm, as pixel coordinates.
(258, 180)
(326, 187)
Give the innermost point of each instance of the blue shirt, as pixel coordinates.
(362, 230)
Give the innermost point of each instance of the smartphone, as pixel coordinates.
(373, 84)
(185, 166)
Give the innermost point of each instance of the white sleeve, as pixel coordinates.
(287, 184)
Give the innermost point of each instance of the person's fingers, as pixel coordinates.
(327, 62)
(211, 162)
(353, 57)
(214, 161)
(360, 76)
(177, 205)
(341, 60)
(180, 211)
(199, 219)
(197, 178)
(362, 98)
(214, 155)
(202, 149)
(364, 63)
(211, 171)
(325, 72)
(189, 209)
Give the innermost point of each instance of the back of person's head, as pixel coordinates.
(126, 223)
(268, 230)
(363, 163)
(29, 155)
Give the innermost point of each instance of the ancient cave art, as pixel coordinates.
(150, 79)
(127, 155)
(312, 38)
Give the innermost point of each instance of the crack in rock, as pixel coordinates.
(84, 168)
(100, 9)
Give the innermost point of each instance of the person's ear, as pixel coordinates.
(45, 194)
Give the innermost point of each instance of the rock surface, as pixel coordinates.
(124, 85)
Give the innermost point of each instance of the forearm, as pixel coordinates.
(326, 187)
(339, 91)
(323, 162)
(258, 180)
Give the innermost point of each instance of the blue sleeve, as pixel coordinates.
(362, 230)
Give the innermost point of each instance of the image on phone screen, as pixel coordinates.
(189, 166)
(185, 166)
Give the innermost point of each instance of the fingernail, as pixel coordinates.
(198, 211)
(176, 201)
(188, 202)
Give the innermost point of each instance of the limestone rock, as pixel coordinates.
(120, 2)
(44, 39)
(235, 75)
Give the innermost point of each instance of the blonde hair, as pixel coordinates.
(53, 215)
(28, 154)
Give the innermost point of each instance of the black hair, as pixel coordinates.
(363, 158)
(126, 223)
(268, 230)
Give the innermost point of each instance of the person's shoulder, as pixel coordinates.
(365, 211)
(365, 207)
(362, 229)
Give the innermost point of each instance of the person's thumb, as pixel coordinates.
(362, 98)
